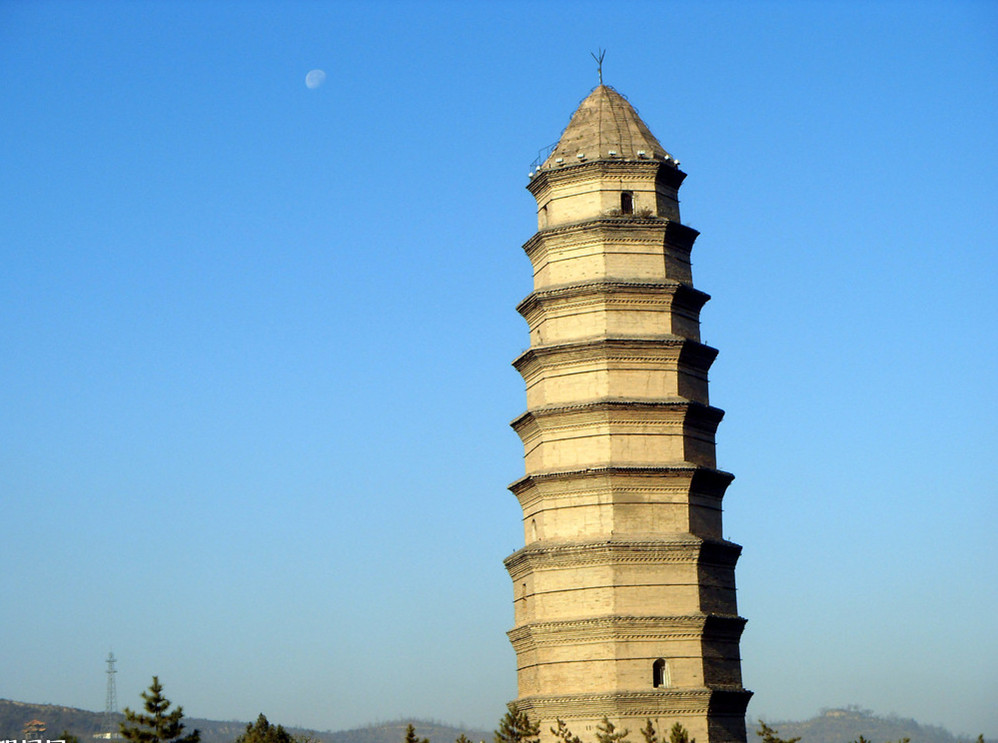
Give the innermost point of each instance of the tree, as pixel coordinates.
(648, 732)
(679, 734)
(263, 732)
(410, 735)
(68, 737)
(462, 738)
(564, 734)
(606, 732)
(769, 735)
(516, 727)
(157, 725)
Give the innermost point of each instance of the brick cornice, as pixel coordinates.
(685, 351)
(704, 480)
(618, 489)
(598, 629)
(692, 470)
(706, 417)
(724, 700)
(683, 296)
(615, 551)
(668, 173)
(676, 235)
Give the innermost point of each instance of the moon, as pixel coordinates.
(314, 79)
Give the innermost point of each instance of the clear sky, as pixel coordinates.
(255, 379)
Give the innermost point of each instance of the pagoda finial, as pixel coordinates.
(599, 62)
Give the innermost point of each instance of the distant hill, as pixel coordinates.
(394, 732)
(84, 724)
(847, 724)
(14, 715)
(830, 726)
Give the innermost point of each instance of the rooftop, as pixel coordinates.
(605, 127)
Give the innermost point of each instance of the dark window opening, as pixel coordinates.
(626, 202)
(659, 673)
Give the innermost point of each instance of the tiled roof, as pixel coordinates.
(605, 127)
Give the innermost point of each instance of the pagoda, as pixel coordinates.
(624, 591)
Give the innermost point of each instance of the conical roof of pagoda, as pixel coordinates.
(605, 122)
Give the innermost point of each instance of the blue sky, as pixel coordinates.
(257, 337)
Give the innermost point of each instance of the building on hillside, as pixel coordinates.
(624, 591)
(33, 729)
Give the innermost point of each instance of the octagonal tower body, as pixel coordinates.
(624, 591)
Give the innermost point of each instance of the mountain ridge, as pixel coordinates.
(846, 724)
(830, 725)
(85, 724)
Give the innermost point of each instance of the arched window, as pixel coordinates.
(626, 202)
(533, 529)
(660, 673)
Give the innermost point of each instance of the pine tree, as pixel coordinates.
(564, 734)
(769, 735)
(648, 732)
(606, 732)
(158, 725)
(263, 732)
(679, 734)
(410, 735)
(462, 738)
(516, 727)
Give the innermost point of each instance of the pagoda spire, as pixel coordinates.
(599, 63)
